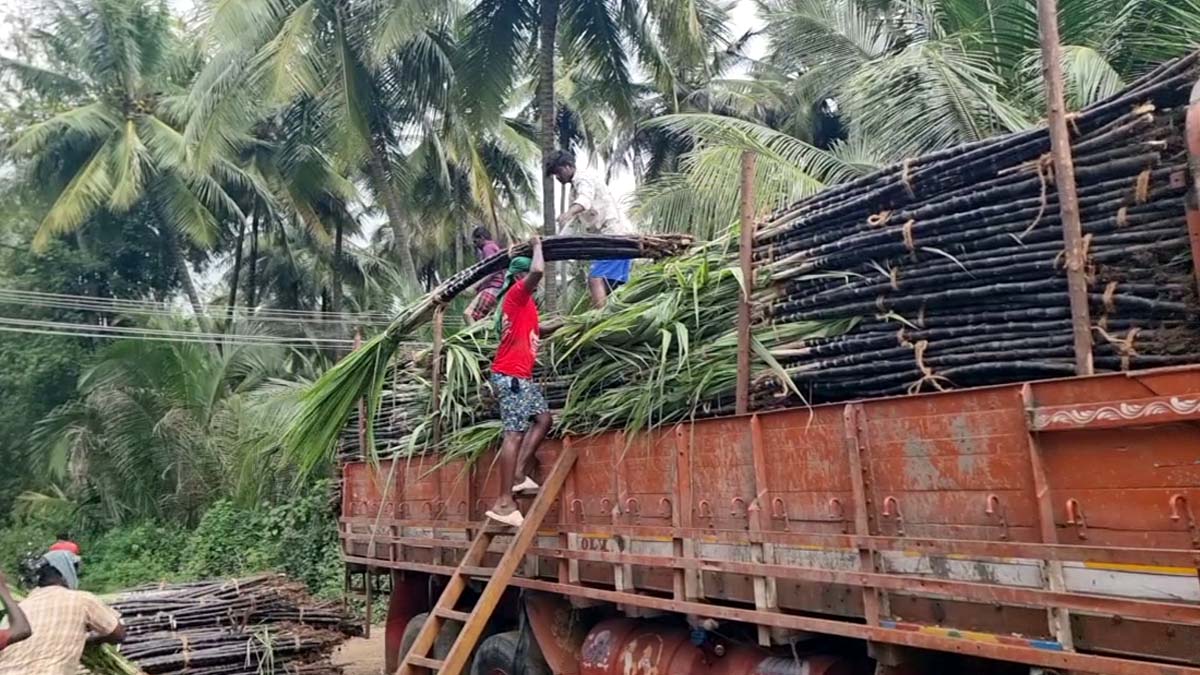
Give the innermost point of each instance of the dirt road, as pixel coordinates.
(361, 656)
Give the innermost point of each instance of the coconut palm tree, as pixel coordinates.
(367, 69)
(119, 70)
(160, 430)
(899, 78)
(500, 36)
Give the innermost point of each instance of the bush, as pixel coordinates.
(297, 537)
(133, 555)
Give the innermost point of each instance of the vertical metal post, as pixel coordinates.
(362, 408)
(1052, 570)
(1064, 178)
(745, 257)
(435, 375)
(1192, 135)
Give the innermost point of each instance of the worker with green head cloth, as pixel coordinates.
(522, 406)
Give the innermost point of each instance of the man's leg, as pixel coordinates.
(598, 288)
(529, 445)
(509, 450)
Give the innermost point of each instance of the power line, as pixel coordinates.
(93, 330)
(151, 308)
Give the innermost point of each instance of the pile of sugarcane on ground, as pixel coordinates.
(952, 264)
(246, 626)
(941, 272)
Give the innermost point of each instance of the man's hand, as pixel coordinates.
(535, 240)
(562, 218)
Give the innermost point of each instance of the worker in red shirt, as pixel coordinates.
(521, 399)
(64, 543)
(18, 626)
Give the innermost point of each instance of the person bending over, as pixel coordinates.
(593, 204)
(489, 289)
(521, 399)
(18, 626)
(63, 620)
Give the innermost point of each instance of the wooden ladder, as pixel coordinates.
(473, 622)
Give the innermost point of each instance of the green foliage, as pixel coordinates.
(297, 537)
(141, 553)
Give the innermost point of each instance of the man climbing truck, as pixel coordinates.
(523, 408)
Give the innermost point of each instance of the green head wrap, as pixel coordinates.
(518, 265)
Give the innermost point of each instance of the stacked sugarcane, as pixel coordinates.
(235, 627)
(952, 267)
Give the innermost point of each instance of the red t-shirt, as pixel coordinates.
(68, 546)
(520, 335)
(4, 636)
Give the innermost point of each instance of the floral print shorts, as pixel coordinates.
(520, 401)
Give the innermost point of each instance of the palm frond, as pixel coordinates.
(87, 191)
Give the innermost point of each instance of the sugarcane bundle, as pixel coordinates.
(953, 265)
(663, 349)
(327, 405)
(241, 626)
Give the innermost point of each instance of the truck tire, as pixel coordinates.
(441, 645)
(501, 654)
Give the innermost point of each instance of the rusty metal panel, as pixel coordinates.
(949, 497)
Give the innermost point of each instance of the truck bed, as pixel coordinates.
(1049, 523)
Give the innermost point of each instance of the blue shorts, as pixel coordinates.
(613, 270)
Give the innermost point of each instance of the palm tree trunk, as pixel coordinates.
(185, 278)
(391, 203)
(548, 30)
(252, 291)
(237, 270)
(335, 303)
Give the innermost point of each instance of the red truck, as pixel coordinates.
(1049, 524)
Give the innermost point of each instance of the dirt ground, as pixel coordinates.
(361, 656)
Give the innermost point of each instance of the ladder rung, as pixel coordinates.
(451, 614)
(423, 662)
(474, 571)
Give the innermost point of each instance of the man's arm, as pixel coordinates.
(18, 625)
(537, 267)
(104, 623)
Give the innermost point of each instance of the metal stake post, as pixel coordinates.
(1064, 178)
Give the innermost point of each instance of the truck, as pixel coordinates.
(1049, 524)
(1040, 525)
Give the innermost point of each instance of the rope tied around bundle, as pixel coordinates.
(894, 277)
(879, 219)
(927, 374)
(1045, 170)
(1142, 189)
(185, 650)
(909, 241)
(905, 168)
(1124, 346)
(1123, 216)
(1110, 292)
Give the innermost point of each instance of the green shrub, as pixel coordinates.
(133, 555)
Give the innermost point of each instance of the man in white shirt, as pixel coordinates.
(63, 621)
(592, 203)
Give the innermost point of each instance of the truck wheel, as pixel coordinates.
(441, 645)
(498, 655)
